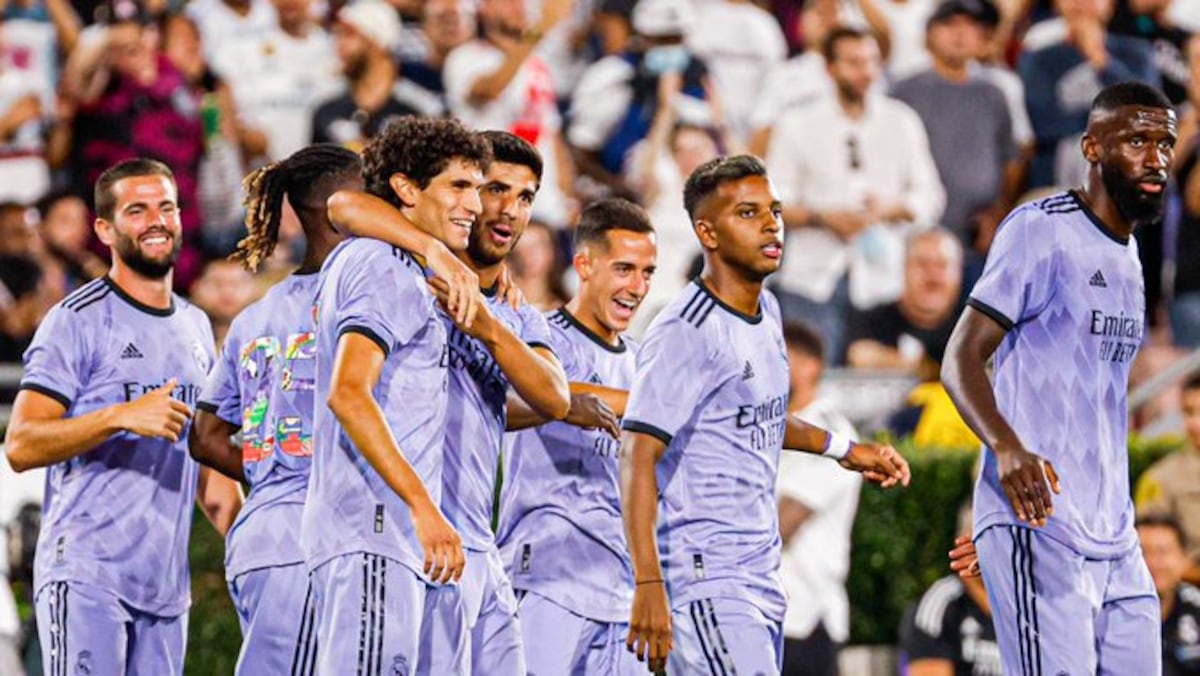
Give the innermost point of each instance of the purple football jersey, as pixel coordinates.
(475, 421)
(1071, 295)
(263, 383)
(119, 516)
(712, 383)
(378, 291)
(560, 530)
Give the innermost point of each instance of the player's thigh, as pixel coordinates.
(1042, 596)
(555, 639)
(445, 635)
(81, 632)
(609, 654)
(1129, 629)
(496, 642)
(157, 645)
(278, 610)
(369, 616)
(723, 636)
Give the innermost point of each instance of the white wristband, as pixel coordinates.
(837, 446)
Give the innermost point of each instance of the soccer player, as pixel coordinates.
(706, 420)
(1061, 306)
(502, 347)
(105, 402)
(372, 532)
(560, 529)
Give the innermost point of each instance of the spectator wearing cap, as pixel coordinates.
(1066, 62)
(969, 127)
(364, 34)
(618, 96)
(498, 81)
(1153, 21)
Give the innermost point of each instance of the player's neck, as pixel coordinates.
(576, 308)
(153, 293)
(1096, 198)
(732, 288)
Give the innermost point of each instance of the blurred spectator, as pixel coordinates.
(20, 518)
(134, 103)
(949, 631)
(498, 82)
(801, 79)
(991, 66)
(612, 26)
(913, 330)
(851, 192)
(445, 24)
(24, 173)
(970, 131)
(1184, 308)
(566, 48)
(538, 268)
(33, 35)
(277, 80)
(21, 306)
(223, 22)
(1165, 548)
(617, 98)
(224, 289)
(905, 22)
(1067, 61)
(64, 229)
(741, 43)
(364, 34)
(659, 166)
(1150, 20)
(817, 502)
(1168, 487)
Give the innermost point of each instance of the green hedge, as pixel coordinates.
(900, 542)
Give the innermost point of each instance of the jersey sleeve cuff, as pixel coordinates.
(996, 315)
(49, 392)
(646, 428)
(209, 407)
(367, 332)
(538, 344)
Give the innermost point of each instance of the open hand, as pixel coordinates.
(444, 558)
(460, 283)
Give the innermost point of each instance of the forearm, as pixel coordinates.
(210, 445)
(490, 86)
(536, 378)
(41, 443)
(220, 498)
(519, 415)
(639, 510)
(966, 381)
(66, 24)
(871, 354)
(365, 215)
(804, 437)
(615, 399)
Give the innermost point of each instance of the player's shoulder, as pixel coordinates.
(1043, 217)
(88, 298)
(936, 602)
(364, 255)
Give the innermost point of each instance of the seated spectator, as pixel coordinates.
(1065, 63)
(1150, 20)
(817, 502)
(538, 268)
(364, 35)
(223, 290)
(851, 191)
(1165, 549)
(1184, 309)
(949, 630)
(1168, 487)
(969, 127)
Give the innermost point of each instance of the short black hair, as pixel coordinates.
(47, 202)
(106, 201)
(1130, 93)
(1161, 520)
(829, 45)
(709, 176)
(512, 149)
(804, 339)
(420, 148)
(612, 213)
(1192, 382)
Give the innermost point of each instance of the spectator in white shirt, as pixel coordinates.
(817, 502)
(222, 22)
(851, 192)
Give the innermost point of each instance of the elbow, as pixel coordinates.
(560, 404)
(17, 453)
(342, 401)
(337, 207)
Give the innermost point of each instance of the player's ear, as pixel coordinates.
(707, 234)
(405, 188)
(105, 231)
(582, 263)
(1091, 148)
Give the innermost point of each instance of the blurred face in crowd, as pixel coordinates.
(1190, 401)
(130, 48)
(1165, 557)
(145, 231)
(955, 41)
(1150, 7)
(1085, 10)
(16, 237)
(816, 20)
(503, 17)
(933, 273)
(507, 201)
(181, 43)
(804, 371)
(65, 225)
(692, 146)
(448, 23)
(533, 256)
(615, 276)
(353, 50)
(855, 67)
(224, 289)
(293, 13)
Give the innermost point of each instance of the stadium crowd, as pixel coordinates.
(897, 132)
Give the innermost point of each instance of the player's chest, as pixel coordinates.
(131, 359)
(1103, 296)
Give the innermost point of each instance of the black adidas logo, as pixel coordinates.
(1098, 280)
(131, 352)
(748, 372)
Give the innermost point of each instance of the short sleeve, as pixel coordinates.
(58, 361)
(222, 396)
(672, 375)
(380, 297)
(535, 330)
(923, 635)
(1017, 282)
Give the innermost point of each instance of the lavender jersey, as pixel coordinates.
(378, 291)
(263, 383)
(476, 420)
(712, 384)
(561, 533)
(118, 517)
(1071, 296)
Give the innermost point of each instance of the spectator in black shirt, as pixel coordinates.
(1163, 546)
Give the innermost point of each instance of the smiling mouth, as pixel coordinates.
(773, 250)
(625, 307)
